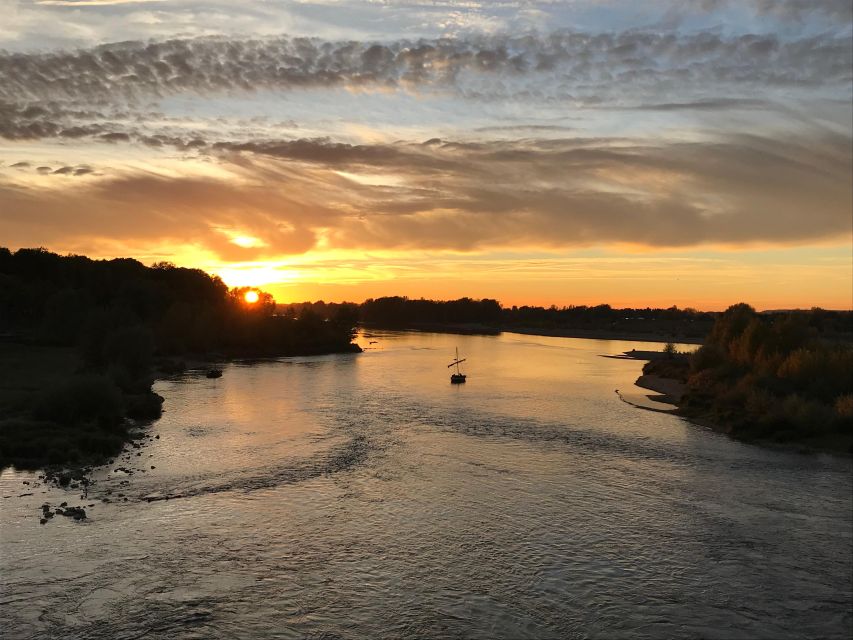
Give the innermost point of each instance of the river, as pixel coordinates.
(363, 496)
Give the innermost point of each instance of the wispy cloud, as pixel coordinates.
(469, 196)
(91, 3)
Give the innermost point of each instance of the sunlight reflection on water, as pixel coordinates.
(364, 496)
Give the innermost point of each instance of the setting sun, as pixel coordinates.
(251, 297)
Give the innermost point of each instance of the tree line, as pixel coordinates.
(403, 312)
(122, 319)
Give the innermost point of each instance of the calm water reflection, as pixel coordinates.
(363, 496)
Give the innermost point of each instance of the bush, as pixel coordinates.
(31, 444)
(81, 399)
(844, 413)
(707, 356)
(808, 417)
(144, 406)
(132, 349)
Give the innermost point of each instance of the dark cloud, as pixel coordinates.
(711, 104)
(49, 119)
(840, 11)
(833, 13)
(525, 128)
(100, 93)
(80, 170)
(575, 63)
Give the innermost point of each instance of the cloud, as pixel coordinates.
(464, 196)
(187, 210)
(457, 188)
(799, 10)
(80, 170)
(824, 12)
(711, 104)
(564, 63)
(91, 3)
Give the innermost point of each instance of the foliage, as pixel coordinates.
(91, 399)
(120, 315)
(29, 444)
(403, 311)
(120, 312)
(773, 376)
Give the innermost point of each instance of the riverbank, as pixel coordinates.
(601, 334)
(488, 330)
(59, 415)
(57, 412)
(465, 329)
(674, 391)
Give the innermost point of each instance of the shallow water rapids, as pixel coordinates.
(363, 496)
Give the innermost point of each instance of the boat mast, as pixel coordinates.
(456, 362)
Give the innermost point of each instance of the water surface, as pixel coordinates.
(363, 496)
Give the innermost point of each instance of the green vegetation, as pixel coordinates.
(79, 340)
(770, 377)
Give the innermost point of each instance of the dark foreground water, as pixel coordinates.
(363, 496)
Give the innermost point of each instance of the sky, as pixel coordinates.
(688, 152)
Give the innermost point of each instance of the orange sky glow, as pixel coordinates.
(567, 157)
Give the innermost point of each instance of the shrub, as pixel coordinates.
(844, 406)
(131, 348)
(708, 356)
(844, 413)
(31, 444)
(81, 399)
(809, 417)
(144, 406)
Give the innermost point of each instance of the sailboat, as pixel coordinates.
(458, 377)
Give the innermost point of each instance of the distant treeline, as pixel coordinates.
(771, 376)
(401, 312)
(488, 314)
(122, 318)
(675, 323)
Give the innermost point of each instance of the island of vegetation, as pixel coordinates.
(81, 341)
(784, 377)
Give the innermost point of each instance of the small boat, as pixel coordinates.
(458, 377)
(214, 373)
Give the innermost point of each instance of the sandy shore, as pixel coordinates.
(671, 390)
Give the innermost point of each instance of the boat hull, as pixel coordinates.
(457, 378)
